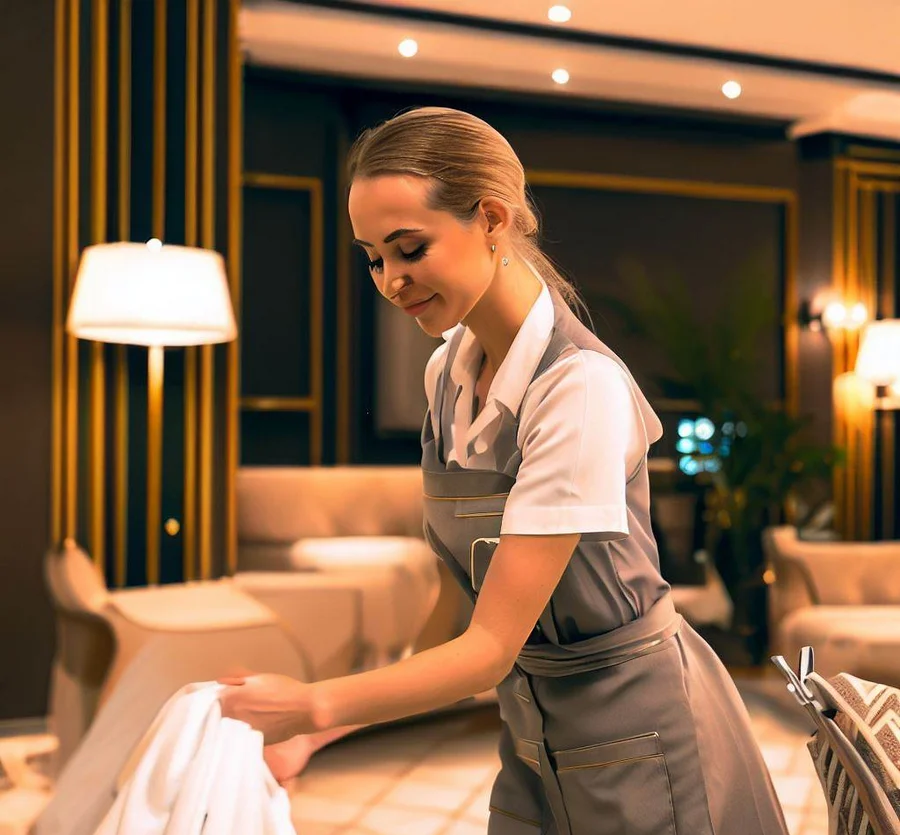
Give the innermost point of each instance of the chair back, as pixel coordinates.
(855, 749)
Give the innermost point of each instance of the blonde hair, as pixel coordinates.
(467, 160)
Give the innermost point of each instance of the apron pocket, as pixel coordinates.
(616, 787)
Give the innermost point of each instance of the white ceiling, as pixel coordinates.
(863, 34)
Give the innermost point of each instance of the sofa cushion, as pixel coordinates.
(280, 505)
(862, 640)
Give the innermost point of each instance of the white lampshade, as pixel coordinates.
(878, 360)
(151, 294)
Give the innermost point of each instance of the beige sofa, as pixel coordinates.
(357, 527)
(840, 598)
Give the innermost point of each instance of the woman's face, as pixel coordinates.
(423, 261)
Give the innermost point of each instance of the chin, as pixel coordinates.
(433, 328)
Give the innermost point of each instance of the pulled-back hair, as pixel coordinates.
(466, 160)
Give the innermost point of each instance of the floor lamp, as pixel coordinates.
(158, 296)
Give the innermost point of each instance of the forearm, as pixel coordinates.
(434, 678)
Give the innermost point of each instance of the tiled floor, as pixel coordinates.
(434, 777)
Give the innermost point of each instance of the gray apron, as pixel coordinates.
(617, 717)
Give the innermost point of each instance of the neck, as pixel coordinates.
(496, 318)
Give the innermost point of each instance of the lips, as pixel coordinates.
(417, 307)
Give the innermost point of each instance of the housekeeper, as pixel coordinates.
(617, 717)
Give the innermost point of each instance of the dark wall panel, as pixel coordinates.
(26, 310)
(276, 293)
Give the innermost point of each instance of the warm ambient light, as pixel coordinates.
(560, 76)
(878, 360)
(731, 89)
(150, 294)
(838, 315)
(559, 14)
(408, 48)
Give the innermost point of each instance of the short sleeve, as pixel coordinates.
(581, 436)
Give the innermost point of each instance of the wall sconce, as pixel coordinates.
(834, 315)
(878, 361)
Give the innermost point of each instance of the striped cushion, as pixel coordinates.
(870, 718)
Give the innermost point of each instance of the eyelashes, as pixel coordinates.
(416, 255)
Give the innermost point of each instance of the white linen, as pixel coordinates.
(195, 771)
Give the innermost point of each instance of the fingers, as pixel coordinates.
(231, 681)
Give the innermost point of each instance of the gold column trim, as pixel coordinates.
(191, 132)
(656, 185)
(72, 248)
(317, 312)
(345, 314)
(233, 364)
(312, 185)
(260, 179)
(279, 404)
(887, 420)
(99, 162)
(59, 294)
(159, 120)
(207, 366)
(120, 532)
(156, 355)
(120, 385)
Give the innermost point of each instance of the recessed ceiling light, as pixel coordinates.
(408, 48)
(560, 14)
(560, 76)
(731, 89)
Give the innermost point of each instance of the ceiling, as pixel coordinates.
(827, 65)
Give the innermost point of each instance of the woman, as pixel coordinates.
(617, 717)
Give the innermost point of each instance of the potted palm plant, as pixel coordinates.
(756, 457)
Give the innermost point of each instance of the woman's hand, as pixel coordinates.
(277, 706)
(287, 759)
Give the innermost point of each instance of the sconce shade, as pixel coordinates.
(878, 360)
(150, 294)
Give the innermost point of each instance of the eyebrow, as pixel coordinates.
(397, 233)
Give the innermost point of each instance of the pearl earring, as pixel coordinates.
(505, 261)
(493, 247)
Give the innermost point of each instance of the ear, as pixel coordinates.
(496, 217)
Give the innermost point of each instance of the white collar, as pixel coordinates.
(512, 378)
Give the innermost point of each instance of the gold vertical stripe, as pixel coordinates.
(189, 516)
(888, 419)
(790, 301)
(159, 120)
(316, 317)
(207, 366)
(120, 385)
(868, 294)
(838, 276)
(345, 311)
(155, 360)
(72, 246)
(99, 127)
(235, 150)
(120, 530)
(59, 294)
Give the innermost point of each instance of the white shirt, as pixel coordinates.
(583, 429)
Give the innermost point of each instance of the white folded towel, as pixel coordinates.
(197, 773)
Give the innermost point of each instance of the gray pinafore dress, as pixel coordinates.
(617, 717)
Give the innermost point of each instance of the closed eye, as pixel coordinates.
(416, 255)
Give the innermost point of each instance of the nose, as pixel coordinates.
(394, 284)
